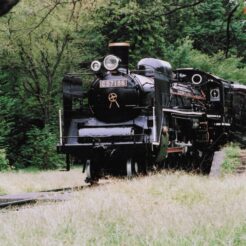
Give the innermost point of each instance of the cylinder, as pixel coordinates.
(120, 50)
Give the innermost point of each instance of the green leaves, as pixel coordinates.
(131, 21)
(4, 164)
(40, 149)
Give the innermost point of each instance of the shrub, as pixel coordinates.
(4, 164)
(232, 159)
(40, 150)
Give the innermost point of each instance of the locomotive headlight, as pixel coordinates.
(111, 62)
(96, 66)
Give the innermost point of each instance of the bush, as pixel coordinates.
(4, 164)
(40, 150)
(232, 159)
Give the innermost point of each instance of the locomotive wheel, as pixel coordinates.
(142, 167)
(132, 168)
(129, 165)
(136, 168)
(206, 163)
(91, 173)
(88, 169)
(68, 162)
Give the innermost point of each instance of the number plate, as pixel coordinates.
(113, 83)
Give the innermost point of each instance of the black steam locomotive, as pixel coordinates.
(128, 122)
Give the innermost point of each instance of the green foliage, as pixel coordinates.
(4, 164)
(35, 51)
(7, 105)
(182, 54)
(232, 159)
(207, 29)
(30, 169)
(179, 53)
(127, 21)
(231, 68)
(213, 26)
(39, 150)
(5, 119)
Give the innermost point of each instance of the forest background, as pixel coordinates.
(42, 40)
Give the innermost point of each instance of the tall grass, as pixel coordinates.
(164, 209)
(232, 159)
(34, 180)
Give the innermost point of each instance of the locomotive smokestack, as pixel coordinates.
(121, 50)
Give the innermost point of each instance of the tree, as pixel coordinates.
(126, 21)
(35, 51)
(212, 25)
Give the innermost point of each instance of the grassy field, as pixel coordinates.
(162, 209)
(34, 180)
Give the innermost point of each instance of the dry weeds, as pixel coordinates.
(17, 182)
(165, 209)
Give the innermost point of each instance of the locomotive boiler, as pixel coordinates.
(128, 122)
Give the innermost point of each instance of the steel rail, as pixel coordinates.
(17, 202)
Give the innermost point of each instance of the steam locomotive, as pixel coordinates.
(128, 122)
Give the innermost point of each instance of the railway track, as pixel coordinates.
(54, 195)
(14, 201)
(4, 203)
